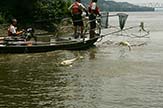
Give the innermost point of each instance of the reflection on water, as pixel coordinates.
(37, 80)
(108, 76)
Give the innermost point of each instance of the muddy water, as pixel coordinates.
(109, 76)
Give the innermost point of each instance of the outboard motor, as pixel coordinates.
(29, 34)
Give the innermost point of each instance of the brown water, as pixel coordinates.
(109, 76)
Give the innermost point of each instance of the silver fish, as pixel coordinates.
(125, 43)
(71, 61)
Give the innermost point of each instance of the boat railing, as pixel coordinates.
(67, 26)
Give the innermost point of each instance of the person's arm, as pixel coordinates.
(14, 32)
(19, 33)
(84, 9)
(70, 7)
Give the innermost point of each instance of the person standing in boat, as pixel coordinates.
(12, 30)
(93, 10)
(76, 9)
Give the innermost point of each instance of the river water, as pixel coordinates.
(108, 76)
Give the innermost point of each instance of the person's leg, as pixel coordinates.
(75, 30)
(74, 18)
(92, 25)
(92, 34)
(92, 29)
(82, 27)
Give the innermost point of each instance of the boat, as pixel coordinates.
(38, 47)
(24, 45)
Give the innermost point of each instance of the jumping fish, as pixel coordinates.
(125, 43)
(71, 61)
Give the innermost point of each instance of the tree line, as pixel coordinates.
(28, 11)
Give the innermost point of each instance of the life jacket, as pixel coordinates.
(9, 32)
(96, 11)
(76, 8)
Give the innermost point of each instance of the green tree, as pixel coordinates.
(32, 10)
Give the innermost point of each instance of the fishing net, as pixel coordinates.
(125, 37)
(122, 20)
(104, 19)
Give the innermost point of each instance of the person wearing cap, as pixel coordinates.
(93, 10)
(76, 9)
(12, 30)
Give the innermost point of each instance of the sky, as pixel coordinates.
(140, 1)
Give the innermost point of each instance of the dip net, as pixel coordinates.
(122, 20)
(104, 19)
(135, 35)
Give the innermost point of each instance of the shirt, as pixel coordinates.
(12, 29)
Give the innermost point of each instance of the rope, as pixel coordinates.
(118, 31)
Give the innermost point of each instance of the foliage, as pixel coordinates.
(33, 10)
(52, 11)
(2, 19)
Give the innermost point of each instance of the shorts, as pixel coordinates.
(92, 19)
(77, 20)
